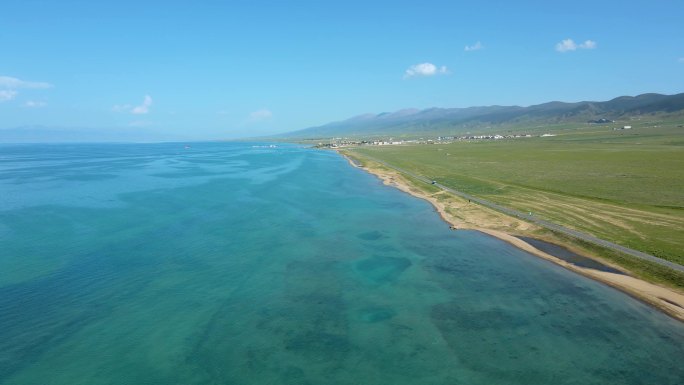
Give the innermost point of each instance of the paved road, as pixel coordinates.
(540, 222)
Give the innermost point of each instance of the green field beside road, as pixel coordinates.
(624, 186)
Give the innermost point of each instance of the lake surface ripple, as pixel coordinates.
(234, 263)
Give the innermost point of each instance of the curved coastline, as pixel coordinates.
(664, 299)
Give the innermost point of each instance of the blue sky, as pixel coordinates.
(223, 69)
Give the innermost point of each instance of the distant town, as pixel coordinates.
(345, 142)
(336, 142)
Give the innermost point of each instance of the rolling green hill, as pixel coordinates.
(456, 121)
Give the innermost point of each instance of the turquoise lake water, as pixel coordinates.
(231, 263)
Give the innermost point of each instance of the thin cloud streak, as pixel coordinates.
(9, 86)
(12, 83)
(475, 47)
(260, 115)
(34, 104)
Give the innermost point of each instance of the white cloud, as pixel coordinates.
(425, 69)
(570, 45)
(566, 45)
(6, 95)
(259, 115)
(588, 44)
(475, 47)
(11, 83)
(34, 104)
(144, 107)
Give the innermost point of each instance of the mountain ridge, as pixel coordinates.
(461, 119)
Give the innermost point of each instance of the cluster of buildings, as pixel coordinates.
(345, 142)
(608, 121)
(490, 137)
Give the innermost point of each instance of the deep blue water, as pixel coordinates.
(229, 263)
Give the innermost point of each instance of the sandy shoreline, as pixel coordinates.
(462, 214)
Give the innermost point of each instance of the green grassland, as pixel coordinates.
(625, 186)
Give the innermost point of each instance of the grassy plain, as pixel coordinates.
(624, 186)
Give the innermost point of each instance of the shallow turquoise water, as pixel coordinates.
(235, 264)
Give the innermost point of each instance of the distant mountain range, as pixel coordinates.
(454, 121)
